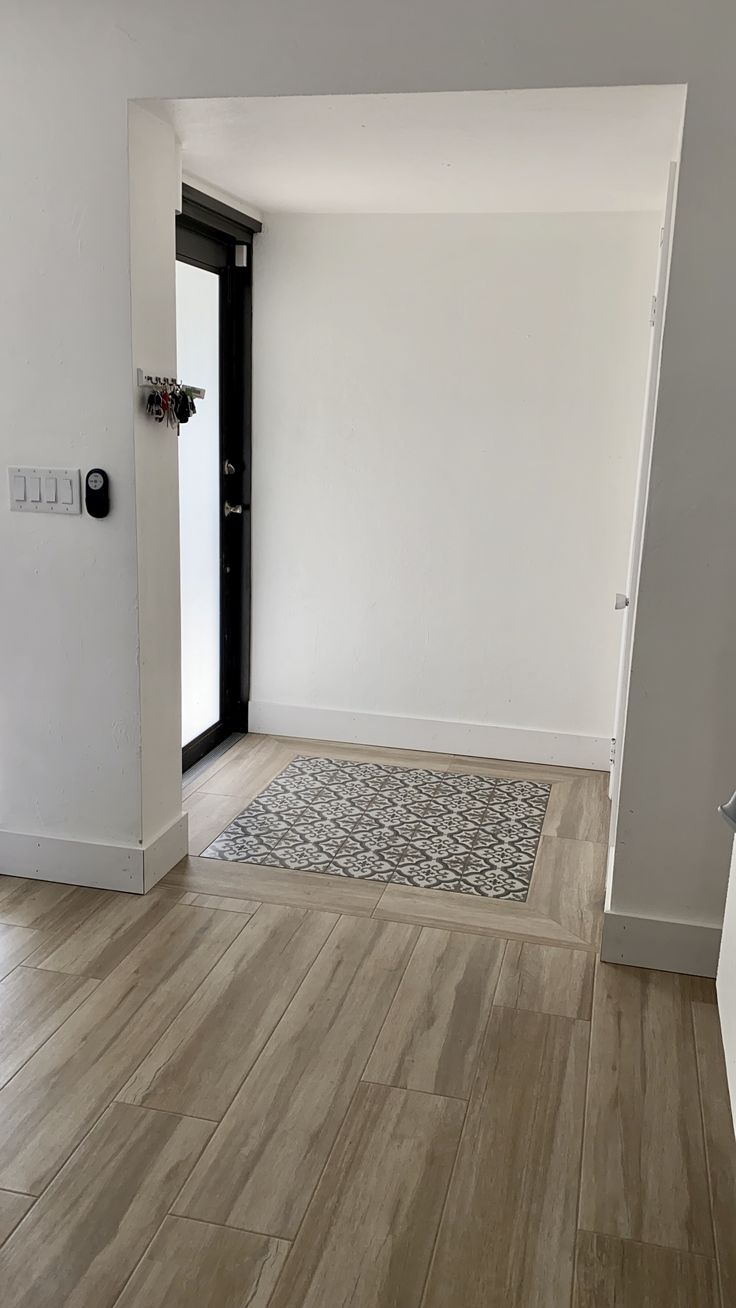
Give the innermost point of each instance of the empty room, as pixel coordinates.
(367, 728)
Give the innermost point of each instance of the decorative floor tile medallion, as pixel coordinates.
(410, 826)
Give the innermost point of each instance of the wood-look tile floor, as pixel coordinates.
(263, 1087)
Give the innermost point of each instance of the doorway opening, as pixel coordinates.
(472, 265)
(214, 260)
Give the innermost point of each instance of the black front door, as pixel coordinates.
(214, 254)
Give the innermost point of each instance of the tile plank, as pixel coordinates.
(82, 1239)
(568, 885)
(200, 772)
(703, 990)
(201, 1061)
(195, 1265)
(247, 906)
(579, 809)
(13, 1208)
(720, 1145)
(105, 937)
(264, 1160)
(248, 773)
(475, 913)
(507, 1236)
(432, 1034)
(546, 979)
(271, 885)
(368, 1234)
(613, 1273)
(644, 1171)
(16, 943)
(33, 1004)
(22, 901)
(54, 1099)
(208, 816)
(509, 770)
(47, 905)
(410, 758)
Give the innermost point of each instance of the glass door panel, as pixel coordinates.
(198, 362)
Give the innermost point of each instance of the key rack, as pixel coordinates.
(149, 380)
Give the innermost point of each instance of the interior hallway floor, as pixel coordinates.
(256, 1086)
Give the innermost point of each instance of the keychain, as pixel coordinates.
(182, 407)
(154, 406)
(172, 402)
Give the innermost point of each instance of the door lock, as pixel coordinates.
(231, 508)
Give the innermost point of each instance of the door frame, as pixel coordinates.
(659, 305)
(214, 236)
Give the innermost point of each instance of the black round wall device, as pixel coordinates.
(97, 493)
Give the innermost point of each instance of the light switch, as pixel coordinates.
(45, 490)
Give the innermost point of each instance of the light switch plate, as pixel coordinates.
(45, 490)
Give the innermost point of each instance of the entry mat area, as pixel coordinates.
(409, 826)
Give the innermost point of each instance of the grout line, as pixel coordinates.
(127, 1077)
(151, 898)
(351, 1100)
(81, 921)
(170, 1112)
(502, 930)
(82, 1000)
(227, 1226)
(412, 1089)
(650, 1244)
(450, 1179)
(706, 1154)
(253, 896)
(453, 1169)
(283, 763)
(583, 1134)
(217, 908)
(272, 1032)
(219, 1121)
(138, 1262)
(539, 846)
(378, 903)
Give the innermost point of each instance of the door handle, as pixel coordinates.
(231, 508)
(622, 601)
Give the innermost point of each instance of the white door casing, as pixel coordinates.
(659, 302)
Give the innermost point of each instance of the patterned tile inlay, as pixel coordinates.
(411, 826)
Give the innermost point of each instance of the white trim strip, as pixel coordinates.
(85, 863)
(477, 739)
(666, 946)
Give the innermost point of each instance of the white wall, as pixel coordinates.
(447, 415)
(726, 983)
(90, 789)
(69, 591)
(154, 179)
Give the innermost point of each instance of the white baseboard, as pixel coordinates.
(132, 868)
(477, 739)
(165, 851)
(665, 946)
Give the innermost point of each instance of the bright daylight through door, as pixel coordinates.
(197, 331)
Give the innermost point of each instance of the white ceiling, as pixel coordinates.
(577, 150)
